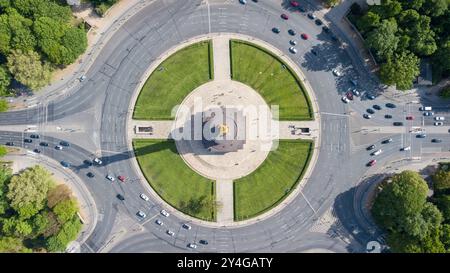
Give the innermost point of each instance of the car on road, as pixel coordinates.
(439, 118)
(319, 22)
(110, 178)
(370, 111)
(170, 233)
(90, 175)
(398, 123)
(345, 99)
(10, 143)
(87, 162)
(390, 105)
(436, 140)
(97, 161)
(377, 152)
(203, 242)
(377, 107)
(311, 15)
(275, 30)
(284, 16)
(120, 197)
(43, 144)
(304, 36)
(144, 197)
(386, 141)
(336, 73)
(293, 50)
(34, 136)
(407, 148)
(141, 214)
(293, 42)
(425, 108)
(186, 226)
(243, 2)
(388, 116)
(295, 4)
(82, 78)
(28, 140)
(65, 164)
(159, 222)
(421, 136)
(370, 97)
(121, 178)
(372, 162)
(292, 32)
(192, 245)
(57, 147)
(164, 213)
(371, 147)
(367, 116)
(438, 123)
(409, 117)
(37, 151)
(428, 113)
(64, 143)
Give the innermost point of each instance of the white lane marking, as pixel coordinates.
(333, 114)
(309, 204)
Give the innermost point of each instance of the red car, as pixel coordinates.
(349, 95)
(284, 16)
(295, 4)
(409, 118)
(304, 36)
(121, 178)
(372, 162)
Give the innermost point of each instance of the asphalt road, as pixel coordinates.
(117, 71)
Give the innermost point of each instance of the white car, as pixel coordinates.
(377, 152)
(293, 50)
(159, 222)
(110, 178)
(57, 147)
(439, 123)
(336, 73)
(186, 226)
(345, 99)
(355, 92)
(144, 197)
(439, 118)
(407, 148)
(243, 2)
(171, 233)
(141, 214)
(97, 161)
(293, 42)
(165, 213)
(191, 245)
(82, 78)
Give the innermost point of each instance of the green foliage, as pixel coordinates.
(383, 40)
(66, 210)
(445, 92)
(28, 69)
(332, 3)
(368, 22)
(3, 105)
(68, 233)
(443, 203)
(12, 245)
(40, 223)
(5, 176)
(15, 227)
(435, 8)
(441, 181)
(417, 28)
(58, 194)
(5, 80)
(400, 70)
(35, 9)
(28, 191)
(3, 151)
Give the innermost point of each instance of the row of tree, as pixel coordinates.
(413, 222)
(35, 213)
(36, 36)
(401, 32)
(101, 6)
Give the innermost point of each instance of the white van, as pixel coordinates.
(425, 108)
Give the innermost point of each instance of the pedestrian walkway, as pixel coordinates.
(221, 53)
(224, 201)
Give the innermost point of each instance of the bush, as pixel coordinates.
(445, 92)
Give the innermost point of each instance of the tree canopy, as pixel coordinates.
(28, 69)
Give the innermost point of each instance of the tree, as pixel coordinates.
(3, 151)
(12, 245)
(332, 3)
(383, 40)
(434, 8)
(417, 28)
(58, 194)
(16, 227)
(5, 80)
(400, 70)
(5, 176)
(68, 233)
(3, 105)
(19, 28)
(368, 22)
(387, 9)
(28, 69)
(39, 223)
(412, 4)
(441, 181)
(66, 210)
(28, 191)
(442, 56)
(40, 8)
(443, 203)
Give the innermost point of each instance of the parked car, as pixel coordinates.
(144, 197)
(409, 117)
(425, 108)
(436, 140)
(438, 123)
(302, 9)
(345, 99)
(110, 178)
(366, 116)
(57, 147)
(284, 16)
(34, 136)
(326, 29)
(295, 4)
(311, 15)
(159, 222)
(28, 140)
(293, 42)
(120, 197)
(356, 92)
(191, 245)
(407, 148)
(428, 113)
(304, 36)
(37, 151)
(390, 105)
(389, 140)
(388, 116)
(275, 30)
(354, 82)
(372, 162)
(377, 107)
(97, 161)
(349, 95)
(44, 144)
(64, 143)
(371, 147)
(121, 178)
(9, 143)
(170, 233)
(336, 73)
(203, 242)
(65, 164)
(141, 214)
(186, 226)
(370, 111)
(90, 175)
(243, 2)
(319, 22)
(88, 162)
(164, 213)
(292, 32)
(377, 152)
(370, 97)
(439, 118)
(421, 135)
(398, 123)
(293, 50)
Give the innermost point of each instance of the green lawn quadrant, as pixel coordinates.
(173, 80)
(173, 180)
(271, 78)
(273, 180)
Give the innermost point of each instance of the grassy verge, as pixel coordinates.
(173, 80)
(273, 180)
(273, 79)
(173, 180)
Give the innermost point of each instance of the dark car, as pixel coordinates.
(311, 16)
(334, 38)
(371, 147)
(319, 22)
(387, 116)
(284, 16)
(120, 197)
(372, 162)
(421, 136)
(370, 97)
(398, 123)
(27, 140)
(90, 175)
(390, 105)
(275, 30)
(377, 107)
(10, 143)
(292, 32)
(44, 144)
(203, 242)
(326, 29)
(304, 36)
(386, 141)
(65, 164)
(436, 140)
(37, 151)
(370, 111)
(367, 116)
(64, 143)
(88, 162)
(34, 136)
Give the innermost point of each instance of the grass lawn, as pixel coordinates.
(273, 180)
(173, 80)
(265, 73)
(173, 180)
